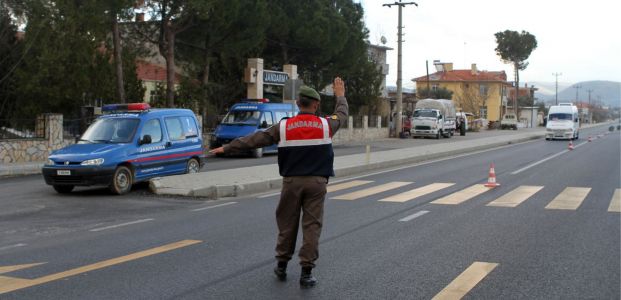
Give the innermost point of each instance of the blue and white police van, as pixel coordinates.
(248, 117)
(128, 144)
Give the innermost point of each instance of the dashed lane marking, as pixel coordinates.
(121, 225)
(346, 185)
(371, 191)
(214, 206)
(615, 203)
(515, 197)
(415, 193)
(569, 199)
(467, 280)
(11, 247)
(9, 284)
(414, 216)
(463, 195)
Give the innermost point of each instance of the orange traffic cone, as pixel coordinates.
(491, 181)
(571, 145)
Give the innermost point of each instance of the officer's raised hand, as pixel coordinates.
(339, 87)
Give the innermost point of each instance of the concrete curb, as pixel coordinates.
(188, 185)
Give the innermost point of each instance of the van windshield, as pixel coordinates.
(111, 130)
(242, 117)
(560, 117)
(425, 114)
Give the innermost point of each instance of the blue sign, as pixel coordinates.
(275, 78)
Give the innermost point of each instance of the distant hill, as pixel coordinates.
(608, 92)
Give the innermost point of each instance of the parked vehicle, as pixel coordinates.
(462, 122)
(509, 121)
(128, 144)
(563, 122)
(248, 117)
(434, 118)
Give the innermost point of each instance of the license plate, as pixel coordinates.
(63, 172)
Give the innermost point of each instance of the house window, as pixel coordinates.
(434, 87)
(153, 97)
(483, 90)
(483, 112)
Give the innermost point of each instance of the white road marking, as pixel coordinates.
(12, 246)
(544, 160)
(414, 216)
(214, 206)
(413, 165)
(121, 225)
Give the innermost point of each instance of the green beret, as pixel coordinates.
(309, 92)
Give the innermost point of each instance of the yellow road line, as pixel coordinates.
(17, 267)
(516, 197)
(463, 195)
(371, 191)
(9, 284)
(615, 203)
(569, 199)
(467, 280)
(415, 193)
(346, 185)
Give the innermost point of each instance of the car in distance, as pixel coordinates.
(130, 143)
(509, 121)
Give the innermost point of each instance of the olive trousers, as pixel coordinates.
(300, 195)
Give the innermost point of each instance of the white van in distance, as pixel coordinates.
(563, 122)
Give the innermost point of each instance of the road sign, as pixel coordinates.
(275, 77)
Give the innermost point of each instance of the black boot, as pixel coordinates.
(307, 279)
(281, 270)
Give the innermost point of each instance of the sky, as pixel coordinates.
(580, 39)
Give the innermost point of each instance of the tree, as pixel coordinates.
(474, 97)
(171, 17)
(439, 93)
(515, 48)
(225, 36)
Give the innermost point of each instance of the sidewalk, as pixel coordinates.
(257, 179)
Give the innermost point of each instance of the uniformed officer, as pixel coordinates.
(305, 160)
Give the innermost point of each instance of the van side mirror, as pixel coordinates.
(146, 139)
(263, 124)
(440, 117)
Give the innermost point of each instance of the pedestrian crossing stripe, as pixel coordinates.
(516, 197)
(415, 193)
(463, 195)
(569, 199)
(466, 281)
(371, 191)
(615, 203)
(346, 185)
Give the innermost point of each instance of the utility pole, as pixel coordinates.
(398, 121)
(589, 115)
(577, 87)
(557, 75)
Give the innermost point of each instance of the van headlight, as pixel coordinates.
(93, 162)
(50, 162)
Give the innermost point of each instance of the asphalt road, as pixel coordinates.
(370, 249)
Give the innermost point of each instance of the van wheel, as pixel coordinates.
(63, 189)
(193, 166)
(257, 153)
(121, 181)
